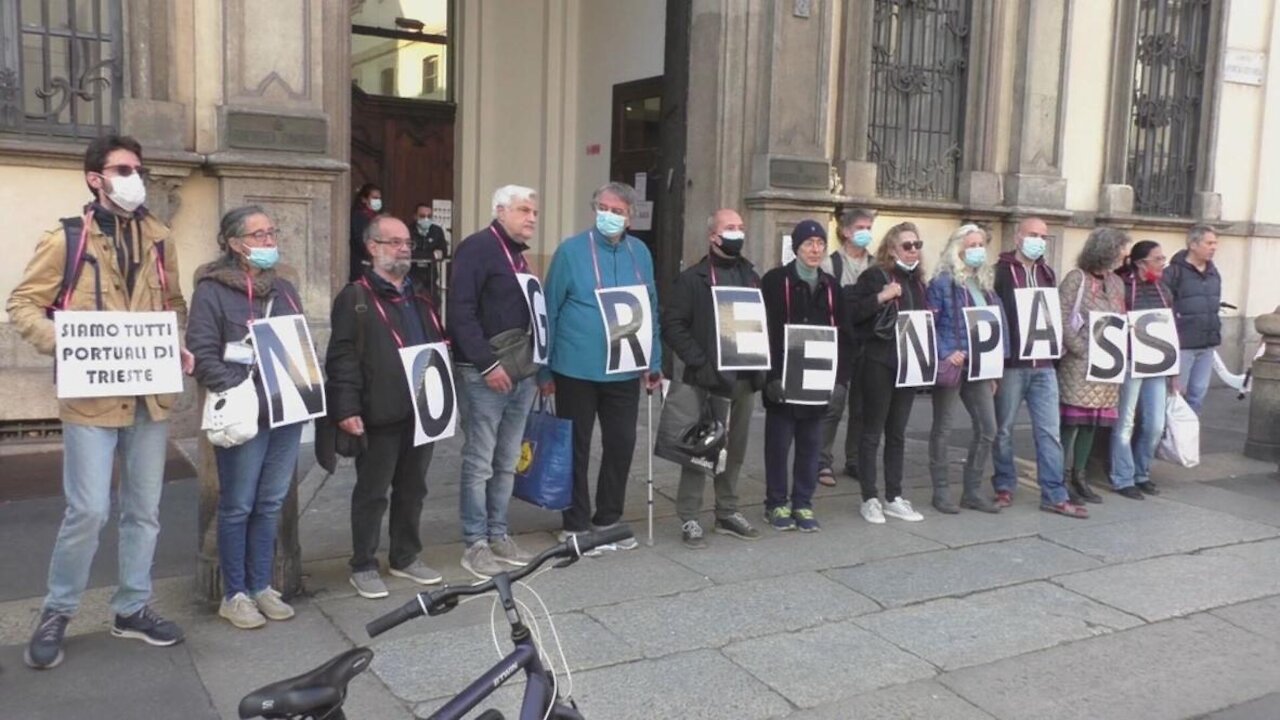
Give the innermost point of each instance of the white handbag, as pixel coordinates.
(231, 416)
(1181, 442)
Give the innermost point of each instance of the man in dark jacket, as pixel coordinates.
(430, 249)
(1196, 286)
(373, 318)
(688, 328)
(488, 311)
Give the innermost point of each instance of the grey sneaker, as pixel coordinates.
(478, 560)
(691, 535)
(565, 535)
(737, 526)
(418, 572)
(368, 584)
(240, 611)
(272, 605)
(506, 550)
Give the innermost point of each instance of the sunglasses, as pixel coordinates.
(912, 245)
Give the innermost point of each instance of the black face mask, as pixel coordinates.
(732, 247)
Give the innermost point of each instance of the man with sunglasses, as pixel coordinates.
(123, 265)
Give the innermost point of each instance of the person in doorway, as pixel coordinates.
(254, 477)
(1141, 407)
(430, 249)
(1032, 380)
(487, 308)
(367, 206)
(895, 279)
(798, 293)
(1091, 287)
(689, 329)
(602, 257)
(373, 319)
(846, 264)
(963, 279)
(126, 265)
(1196, 286)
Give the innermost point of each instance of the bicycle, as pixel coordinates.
(320, 693)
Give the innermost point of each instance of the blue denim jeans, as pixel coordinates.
(1142, 400)
(253, 480)
(88, 455)
(493, 425)
(1039, 387)
(1194, 373)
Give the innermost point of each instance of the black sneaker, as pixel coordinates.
(45, 649)
(737, 526)
(1131, 492)
(147, 626)
(851, 471)
(1148, 487)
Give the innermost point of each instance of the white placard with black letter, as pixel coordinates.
(429, 372)
(809, 360)
(1108, 347)
(742, 337)
(1154, 350)
(116, 354)
(289, 369)
(917, 349)
(985, 330)
(628, 328)
(536, 299)
(1039, 323)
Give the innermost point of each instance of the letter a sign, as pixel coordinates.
(917, 349)
(289, 369)
(1039, 323)
(742, 338)
(429, 373)
(628, 328)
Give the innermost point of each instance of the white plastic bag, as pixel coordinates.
(1181, 442)
(231, 416)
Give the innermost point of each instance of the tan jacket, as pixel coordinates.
(1099, 295)
(39, 288)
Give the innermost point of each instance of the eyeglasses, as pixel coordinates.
(262, 236)
(127, 170)
(912, 245)
(814, 243)
(399, 243)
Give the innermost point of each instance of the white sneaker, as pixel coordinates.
(240, 611)
(872, 513)
(901, 508)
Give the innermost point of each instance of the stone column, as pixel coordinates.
(1034, 179)
(1263, 442)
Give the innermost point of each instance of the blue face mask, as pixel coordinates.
(263, 258)
(862, 239)
(974, 257)
(1033, 246)
(609, 224)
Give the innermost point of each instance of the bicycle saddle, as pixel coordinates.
(323, 688)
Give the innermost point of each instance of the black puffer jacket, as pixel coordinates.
(689, 325)
(1196, 296)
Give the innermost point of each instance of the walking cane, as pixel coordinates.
(649, 454)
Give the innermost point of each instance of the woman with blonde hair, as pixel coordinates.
(963, 279)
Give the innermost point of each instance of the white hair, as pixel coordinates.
(952, 260)
(509, 195)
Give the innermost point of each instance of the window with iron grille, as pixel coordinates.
(919, 61)
(1168, 87)
(60, 70)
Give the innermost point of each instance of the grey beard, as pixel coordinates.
(398, 268)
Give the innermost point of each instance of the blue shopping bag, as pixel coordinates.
(544, 473)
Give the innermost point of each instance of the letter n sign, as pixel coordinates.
(289, 369)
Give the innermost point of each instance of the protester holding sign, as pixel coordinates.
(798, 297)
(374, 319)
(689, 328)
(892, 284)
(231, 293)
(116, 257)
(1024, 282)
(1086, 405)
(1196, 286)
(963, 279)
(846, 264)
(497, 319)
(1142, 399)
(602, 312)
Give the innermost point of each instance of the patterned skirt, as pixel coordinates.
(1089, 417)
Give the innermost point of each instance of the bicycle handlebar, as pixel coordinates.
(446, 598)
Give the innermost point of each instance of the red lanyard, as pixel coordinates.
(595, 261)
(248, 283)
(382, 313)
(524, 264)
(831, 301)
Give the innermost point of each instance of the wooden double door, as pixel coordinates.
(403, 146)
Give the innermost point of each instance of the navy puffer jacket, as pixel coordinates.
(1196, 296)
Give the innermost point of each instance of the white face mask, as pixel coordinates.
(375, 204)
(128, 193)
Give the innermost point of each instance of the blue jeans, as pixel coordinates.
(253, 480)
(1140, 399)
(493, 425)
(88, 455)
(1039, 387)
(1193, 375)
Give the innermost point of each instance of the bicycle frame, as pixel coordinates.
(538, 692)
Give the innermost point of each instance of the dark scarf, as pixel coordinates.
(228, 271)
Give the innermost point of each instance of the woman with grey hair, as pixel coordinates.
(231, 293)
(963, 279)
(1086, 406)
